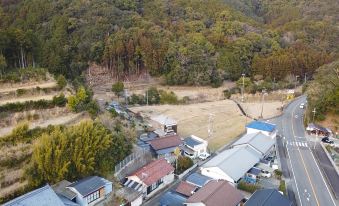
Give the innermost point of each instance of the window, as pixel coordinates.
(92, 197)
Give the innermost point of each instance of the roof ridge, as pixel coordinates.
(216, 189)
(271, 193)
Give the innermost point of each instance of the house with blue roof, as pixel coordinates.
(198, 179)
(261, 126)
(172, 199)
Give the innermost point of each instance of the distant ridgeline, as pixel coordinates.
(191, 42)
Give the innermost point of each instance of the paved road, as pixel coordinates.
(306, 179)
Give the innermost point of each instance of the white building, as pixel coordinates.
(194, 146)
(262, 143)
(260, 126)
(164, 123)
(231, 164)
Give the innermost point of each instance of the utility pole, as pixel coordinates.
(243, 87)
(305, 78)
(314, 111)
(296, 81)
(262, 101)
(210, 125)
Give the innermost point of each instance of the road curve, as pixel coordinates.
(307, 181)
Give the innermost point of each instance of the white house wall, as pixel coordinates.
(195, 204)
(137, 202)
(216, 173)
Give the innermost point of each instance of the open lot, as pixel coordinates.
(227, 120)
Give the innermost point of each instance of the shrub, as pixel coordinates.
(278, 173)
(21, 92)
(227, 94)
(248, 187)
(183, 163)
(61, 81)
(168, 97)
(153, 96)
(118, 88)
(282, 186)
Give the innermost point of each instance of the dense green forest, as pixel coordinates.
(193, 42)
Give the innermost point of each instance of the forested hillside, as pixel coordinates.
(193, 42)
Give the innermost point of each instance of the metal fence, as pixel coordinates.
(129, 159)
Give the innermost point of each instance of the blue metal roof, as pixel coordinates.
(172, 199)
(191, 142)
(198, 179)
(254, 171)
(263, 126)
(39, 197)
(268, 197)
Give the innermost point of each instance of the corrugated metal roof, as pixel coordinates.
(259, 125)
(60, 188)
(164, 120)
(259, 141)
(235, 162)
(88, 185)
(268, 197)
(44, 196)
(198, 179)
(186, 188)
(165, 142)
(254, 171)
(172, 199)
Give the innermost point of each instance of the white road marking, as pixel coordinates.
(296, 184)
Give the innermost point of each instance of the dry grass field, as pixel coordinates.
(227, 120)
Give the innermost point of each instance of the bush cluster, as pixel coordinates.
(248, 187)
(18, 75)
(59, 101)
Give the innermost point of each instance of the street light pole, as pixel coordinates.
(243, 87)
(314, 111)
(262, 102)
(296, 81)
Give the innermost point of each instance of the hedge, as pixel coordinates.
(59, 101)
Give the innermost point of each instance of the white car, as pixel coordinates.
(204, 156)
(265, 173)
(302, 106)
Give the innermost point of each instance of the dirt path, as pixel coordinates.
(14, 87)
(66, 119)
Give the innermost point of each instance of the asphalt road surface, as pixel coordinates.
(304, 176)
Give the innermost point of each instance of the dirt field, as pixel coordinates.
(193, 119)
(270, 109)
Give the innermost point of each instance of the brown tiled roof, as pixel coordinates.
(186, 188)
(154, 171)
(166, 142)
(217, 193)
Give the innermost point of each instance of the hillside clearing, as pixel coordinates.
(227, 121)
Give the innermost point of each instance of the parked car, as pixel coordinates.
(327, 140)
(204, 156)
(265, 173)
(269, 158)
(302, 106)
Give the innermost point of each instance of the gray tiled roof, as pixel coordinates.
(235, 162)
(61, 189)
(88, 185)
(268, 197)
(259, 141)
(43, 196)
